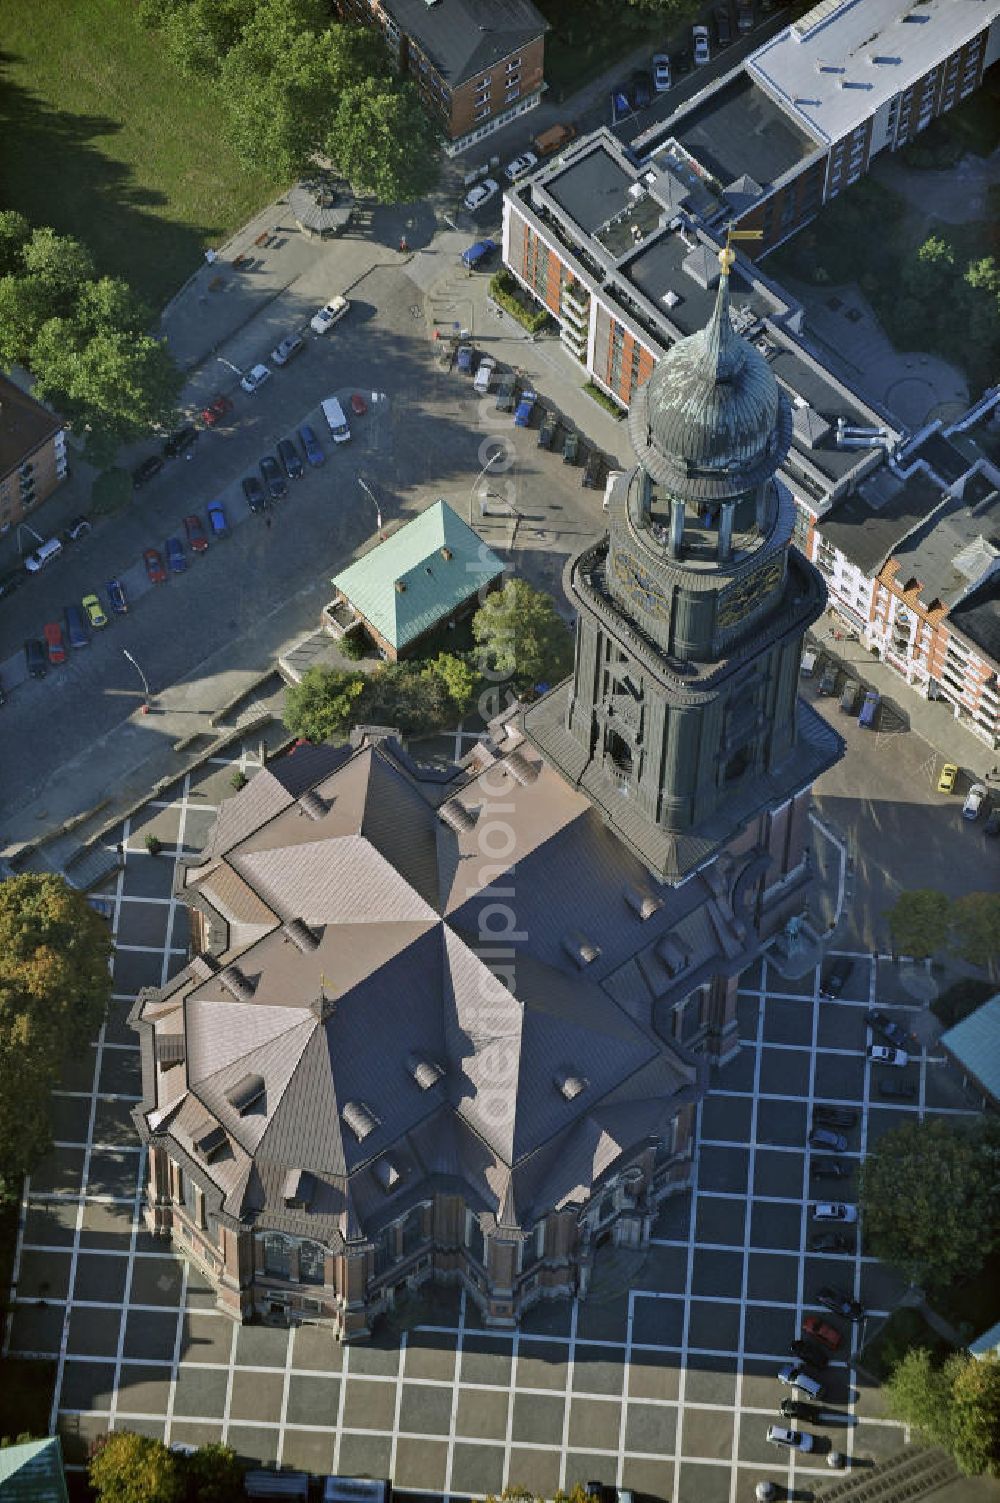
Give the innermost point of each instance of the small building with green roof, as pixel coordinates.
(973, 1047)
(33, 1472)
(433, 570)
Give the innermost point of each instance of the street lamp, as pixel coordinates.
(223, 361)
(374, 500)
(500, 454)
(135, 665)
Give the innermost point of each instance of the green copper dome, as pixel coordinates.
(711, 421)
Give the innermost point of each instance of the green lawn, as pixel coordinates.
(104, 140)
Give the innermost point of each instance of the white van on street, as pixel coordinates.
(336, 421)
(43, 554)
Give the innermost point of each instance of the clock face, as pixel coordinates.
(743, 597)
(642, 589)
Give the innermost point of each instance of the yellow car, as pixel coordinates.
(95, 611)
(946, 782)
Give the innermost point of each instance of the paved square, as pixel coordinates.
(665, 1387)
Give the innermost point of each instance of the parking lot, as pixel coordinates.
(664, 1381)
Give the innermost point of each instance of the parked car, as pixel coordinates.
(547, 430)
(822, 1137)
(153, 560)
(699, 45)
(554, 139)
(76, 627)
(795, 1409)
(992, 825)
(145, 471)
(723, 26)
(834, 976)
(593, 470)
(661, 72)
(682, 60)
(744, 16)
(869, 710)
(834, 1116)
(949, 774)
(830, 1242)
(464, 356)
(328, 315)
(176, 557)
(358, 404)
(827, 1167)
(639, 92)
(181, 439)
(820, 1330)
(794, 1375)
(974, 801)
(835, 1210)
(621, 104)
(55, 647)
(881, 1054)
(117, 597)
(311, 446)
(571, 447)
(520, 166)
(481, 194)
(195, 533)
(474, 255)
(809, 1351)
(274, 480)
(10, 582)
(291, 463)
(216, 411)
(506, 392)
(94, 611)
(77, 529)
(849, 697)
(893, 1032)
(217, 520)
(840, 1303)
(895, 1085)
(255, 378)
(793, 1440)
(34, 658)
(290, 346)
(484, 374)
(525, 407)
(828, 680)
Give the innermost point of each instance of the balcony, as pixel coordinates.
(576, 298)
(575, 340)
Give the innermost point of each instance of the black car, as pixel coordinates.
(681, 60)
(640, 94)
(827, 1167)
(834, 1116)
(149, 467)
(809, 1352)
(506, 393)
(831, 1242)
(990, 828)
(723, 26)
(180, 440)
(255, 494)
(34, 658)
(840, 1303)
(11, 582)
(828, 680)
(571, 447)
(796, 1409)
(891, 1031)
(270, 473)
(892, 1085)
(77, 529)
(593, 470)
(289, 456)
(835, 976)
(547, 431)
(822, 1137)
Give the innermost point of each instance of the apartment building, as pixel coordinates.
(478, 64)
(803, 116)
(32, 454)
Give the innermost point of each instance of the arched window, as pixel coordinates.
(277, 1255)
(312, 1263)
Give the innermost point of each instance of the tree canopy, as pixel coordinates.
(955, 1405)
(976, 918)
(918, 922)
(523, 636)
(418, 698)
(923, 922)
(54, 991)
(129, 1468)
(931, 1198)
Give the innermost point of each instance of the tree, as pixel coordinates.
(384, 142)
(213, 1474)
(918, 922)
(198, 33)
(60, 262)
(523, 636)
(109, 304)
(26, 305)
(322, 706)
(976, 918)
(15, 232)
(916, 1392)
(459, 678)
(406, 695)
(931, 1198)
(955, 1405)
(54, 992)
(127, 1468)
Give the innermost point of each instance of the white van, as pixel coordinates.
(613, 476)
(334, 414)
(795, 1376)
(43, 554)
(484, 374)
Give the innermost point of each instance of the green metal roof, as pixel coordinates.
(407, 585)
(33, 1473)
(975, 1044)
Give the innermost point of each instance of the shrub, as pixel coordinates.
(154, 845)
(603, 400)
(505, 291)
(239, 779)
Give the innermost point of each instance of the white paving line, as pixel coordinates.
(230, 1370)
(286, 1385)
(165, 971)
(398, 1403)
(807, 1184)
(453, 1419)
(570, 1365)
(623, 1424)
(127, 1289)
(175, 1360)
(745, 1267)
(508, 1439)
(341, 1400)
(688, 1279)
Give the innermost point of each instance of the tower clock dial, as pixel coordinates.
(641, 587)
(736, 603)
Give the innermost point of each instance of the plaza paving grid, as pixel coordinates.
(666, 1388)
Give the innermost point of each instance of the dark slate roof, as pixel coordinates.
(463, 38)
(24, 425)
(738, 130)
(978, 618)
(592, 188)
(867, 535)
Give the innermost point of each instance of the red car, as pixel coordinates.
(820, 1331)
(154, 566)
(54, 645)
(358, 405)
(197, 541)
(216, 411)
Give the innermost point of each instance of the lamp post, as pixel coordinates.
(374, 500)
(223, 361)
(487, 466)
(135, 665)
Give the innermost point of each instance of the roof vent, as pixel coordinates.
(424, 1071)
(237, 984)
(672, 954)
(580, 948)
(523, 771)
(880, 57)
(457, 816)
(569, 1085)
(822, 67)
(170, 1050)
(209, 1140)
(359, 1119)
(671, 298)
(301, 936)
(401, 586)
(245, 1093)
(387, 1174)
(446, 554)
(298, 1190)
(313, 804)
(645, 904)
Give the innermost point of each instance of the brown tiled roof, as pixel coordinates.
(24, 425)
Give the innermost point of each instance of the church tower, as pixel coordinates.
(682, 721)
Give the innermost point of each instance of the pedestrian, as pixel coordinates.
(403, 247)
